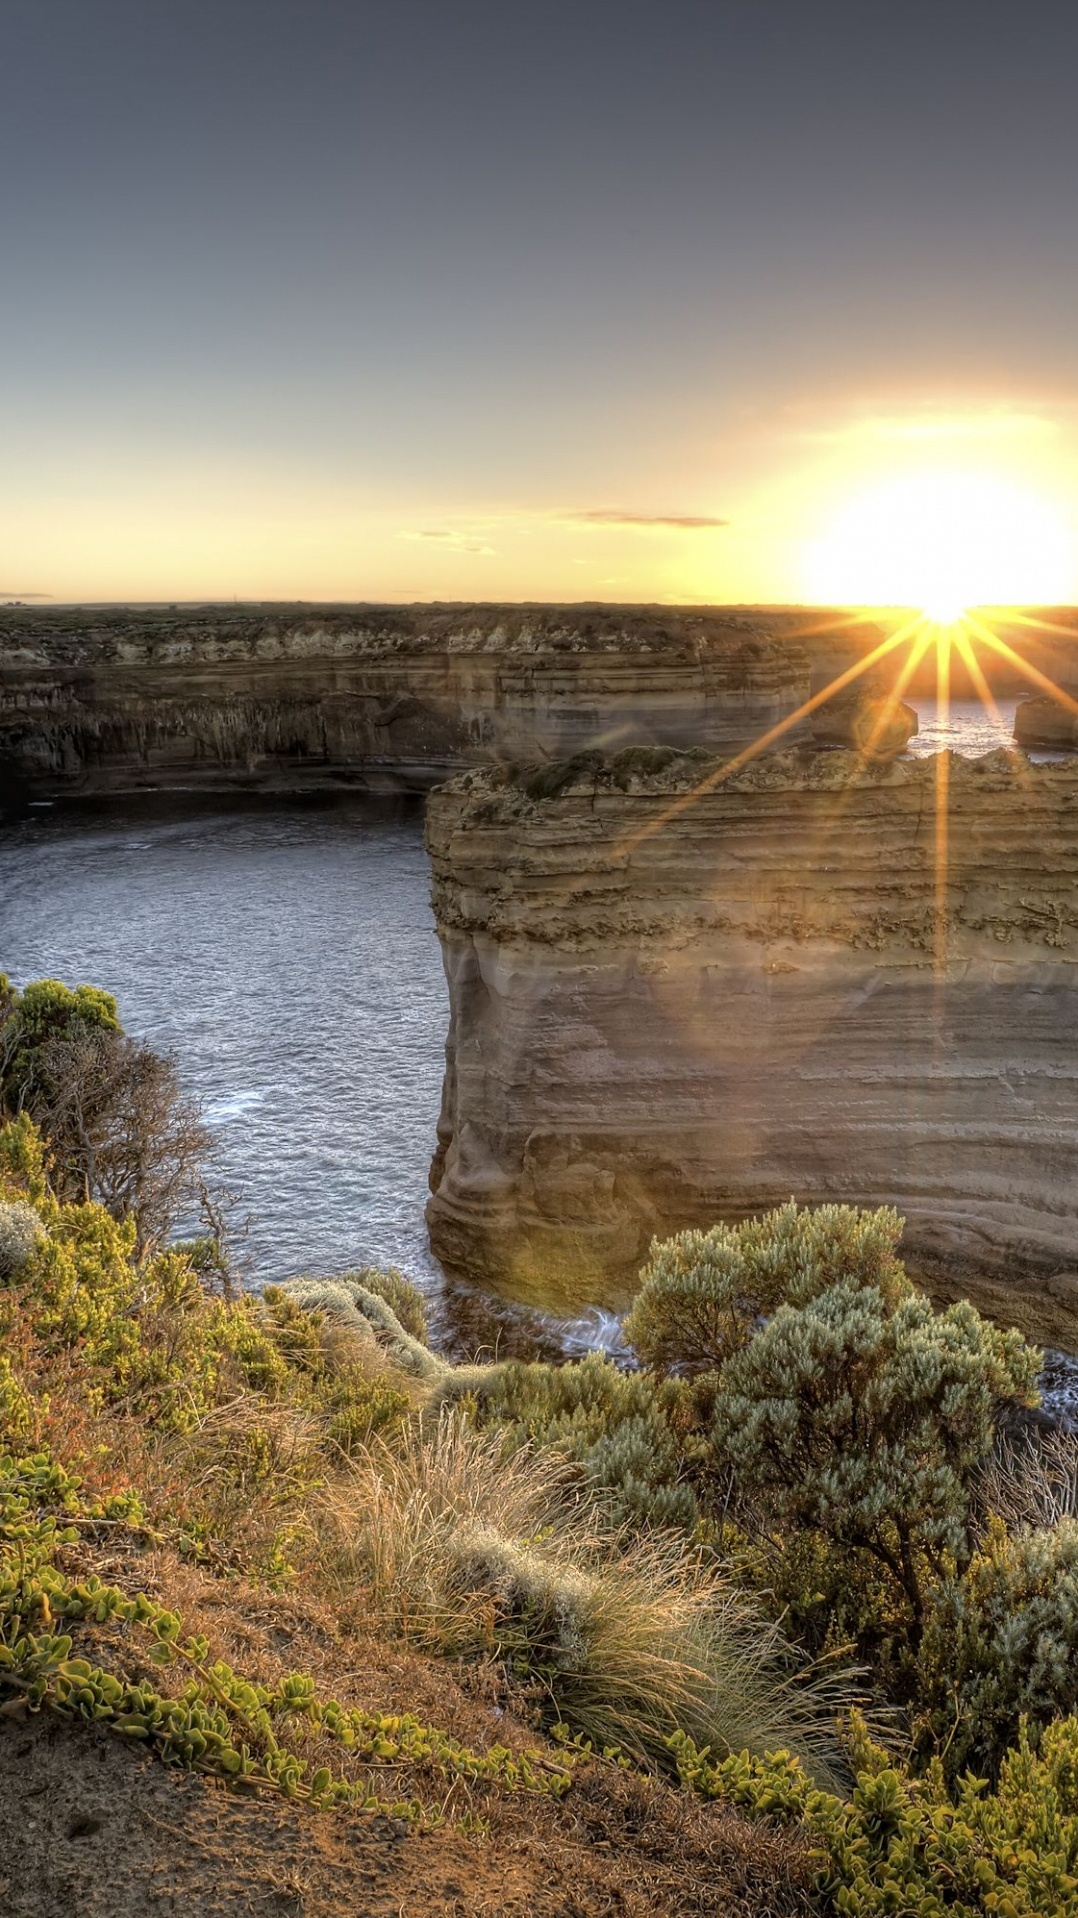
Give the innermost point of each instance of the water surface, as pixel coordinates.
(287, 956)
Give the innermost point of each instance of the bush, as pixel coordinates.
(43, 1014)
(1001, 1645)
(20, 1231)
(119, 1127)
(703, 1294)
(403, 1298)
(903, 1847)
(850, 1411)
(865, 1422)
(619, 1427)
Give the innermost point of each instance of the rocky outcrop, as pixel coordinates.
(675, 998)
(384, 699)
(866, 723)
(392, 698)
(1047, 723)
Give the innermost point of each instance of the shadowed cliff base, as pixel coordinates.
(676, 997)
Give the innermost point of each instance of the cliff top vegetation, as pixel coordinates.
(782, 1621)
(87, 636)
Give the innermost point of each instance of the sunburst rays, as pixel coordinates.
(960, 638)
(773, 734)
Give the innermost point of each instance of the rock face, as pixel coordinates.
(384, 699)
(675, 999)
(1046, 723)
(867, 723)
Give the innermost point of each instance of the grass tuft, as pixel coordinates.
(471, 1549)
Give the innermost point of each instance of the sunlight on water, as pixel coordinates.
(971, 730)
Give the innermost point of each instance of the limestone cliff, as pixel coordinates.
(668, 1008)
(382, 698)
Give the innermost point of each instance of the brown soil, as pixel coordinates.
(92, 1828)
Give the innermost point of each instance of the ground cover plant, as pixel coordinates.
(158, 1439)
(816, 1494)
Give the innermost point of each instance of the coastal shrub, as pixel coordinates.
(472, 1548)
(20, 1231)
(1001, 1645)
(45, 1012)
(900, 1846)
(404, 1299)
(366, 1313)
(703, 1294)
(245, 1404)
(626, 1430)
(854, 1416)
(863, 1420)
(18, 1412)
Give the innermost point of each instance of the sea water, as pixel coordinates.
(286, 954)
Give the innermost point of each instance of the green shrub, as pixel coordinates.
(1001, 1644)
(44, 1012)
(620, 1427)
(118, 1125)
(703, 1294)
(398, 1292)
(369, 1408)
(864, 1422)
(849, 1410)
(905, 1847)
(18, 1413)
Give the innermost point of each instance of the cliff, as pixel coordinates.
(378, 698)
(398, 698)
(668, 1009)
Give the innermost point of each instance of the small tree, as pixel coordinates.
(44, 1013)
(119, 1127)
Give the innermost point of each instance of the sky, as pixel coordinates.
(675, 300)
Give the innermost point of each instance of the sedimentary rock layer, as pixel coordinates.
(674, 1000)
(387, 699)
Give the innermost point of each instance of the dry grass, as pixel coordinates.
(468, 1549)
(1031, 1480)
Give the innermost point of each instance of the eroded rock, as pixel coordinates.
(375, 698)
(871, 724)
(677, 996)
(1046, 723)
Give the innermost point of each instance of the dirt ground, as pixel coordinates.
(93, 1828)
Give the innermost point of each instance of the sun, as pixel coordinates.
(943, 542)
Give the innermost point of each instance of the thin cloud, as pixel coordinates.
(10, 592)
(456, 542)
(989, 424)
(617, 516)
